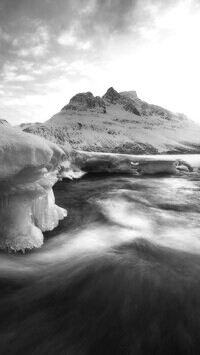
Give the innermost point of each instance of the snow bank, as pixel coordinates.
(93, 162)
(156, 167)
(28, 170)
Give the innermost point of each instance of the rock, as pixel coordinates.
(112, 96)
(86, 101)
(131, 108)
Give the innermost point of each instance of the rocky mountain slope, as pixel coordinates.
(119, 122)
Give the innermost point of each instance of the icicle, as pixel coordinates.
(28, 170)
(46, 213)
(28, 212)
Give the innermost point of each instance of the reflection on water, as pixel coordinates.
(120, 275)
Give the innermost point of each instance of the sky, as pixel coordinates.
(52, 49)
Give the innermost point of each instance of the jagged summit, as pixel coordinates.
(86, 101)
(125, 99)
(111, 95)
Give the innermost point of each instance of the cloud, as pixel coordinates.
(37, 51)
(93, 24)
(11, 76)
(10, 73)
(70, 39)
(4, 36)
(114, 15)
(52, 49)
(67, 39)
(32, 43)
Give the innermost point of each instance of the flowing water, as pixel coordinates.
(120, 275)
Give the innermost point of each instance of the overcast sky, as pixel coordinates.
(53, 49)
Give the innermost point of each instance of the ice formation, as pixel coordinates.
(28, 170)
(70, 171)
(156, 167)
(93, 162)
(30, 166)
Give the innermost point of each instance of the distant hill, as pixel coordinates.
(119, 122)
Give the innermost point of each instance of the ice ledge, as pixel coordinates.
(28, 171)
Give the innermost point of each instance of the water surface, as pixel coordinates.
(120, 275)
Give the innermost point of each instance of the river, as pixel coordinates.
(120, 275)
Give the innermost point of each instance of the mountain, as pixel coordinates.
(119, 122)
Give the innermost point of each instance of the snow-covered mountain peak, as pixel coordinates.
(111, 95)
(127, 100)
(86, 101)
(119, 123)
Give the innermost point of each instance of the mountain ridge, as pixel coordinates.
(121, 123)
